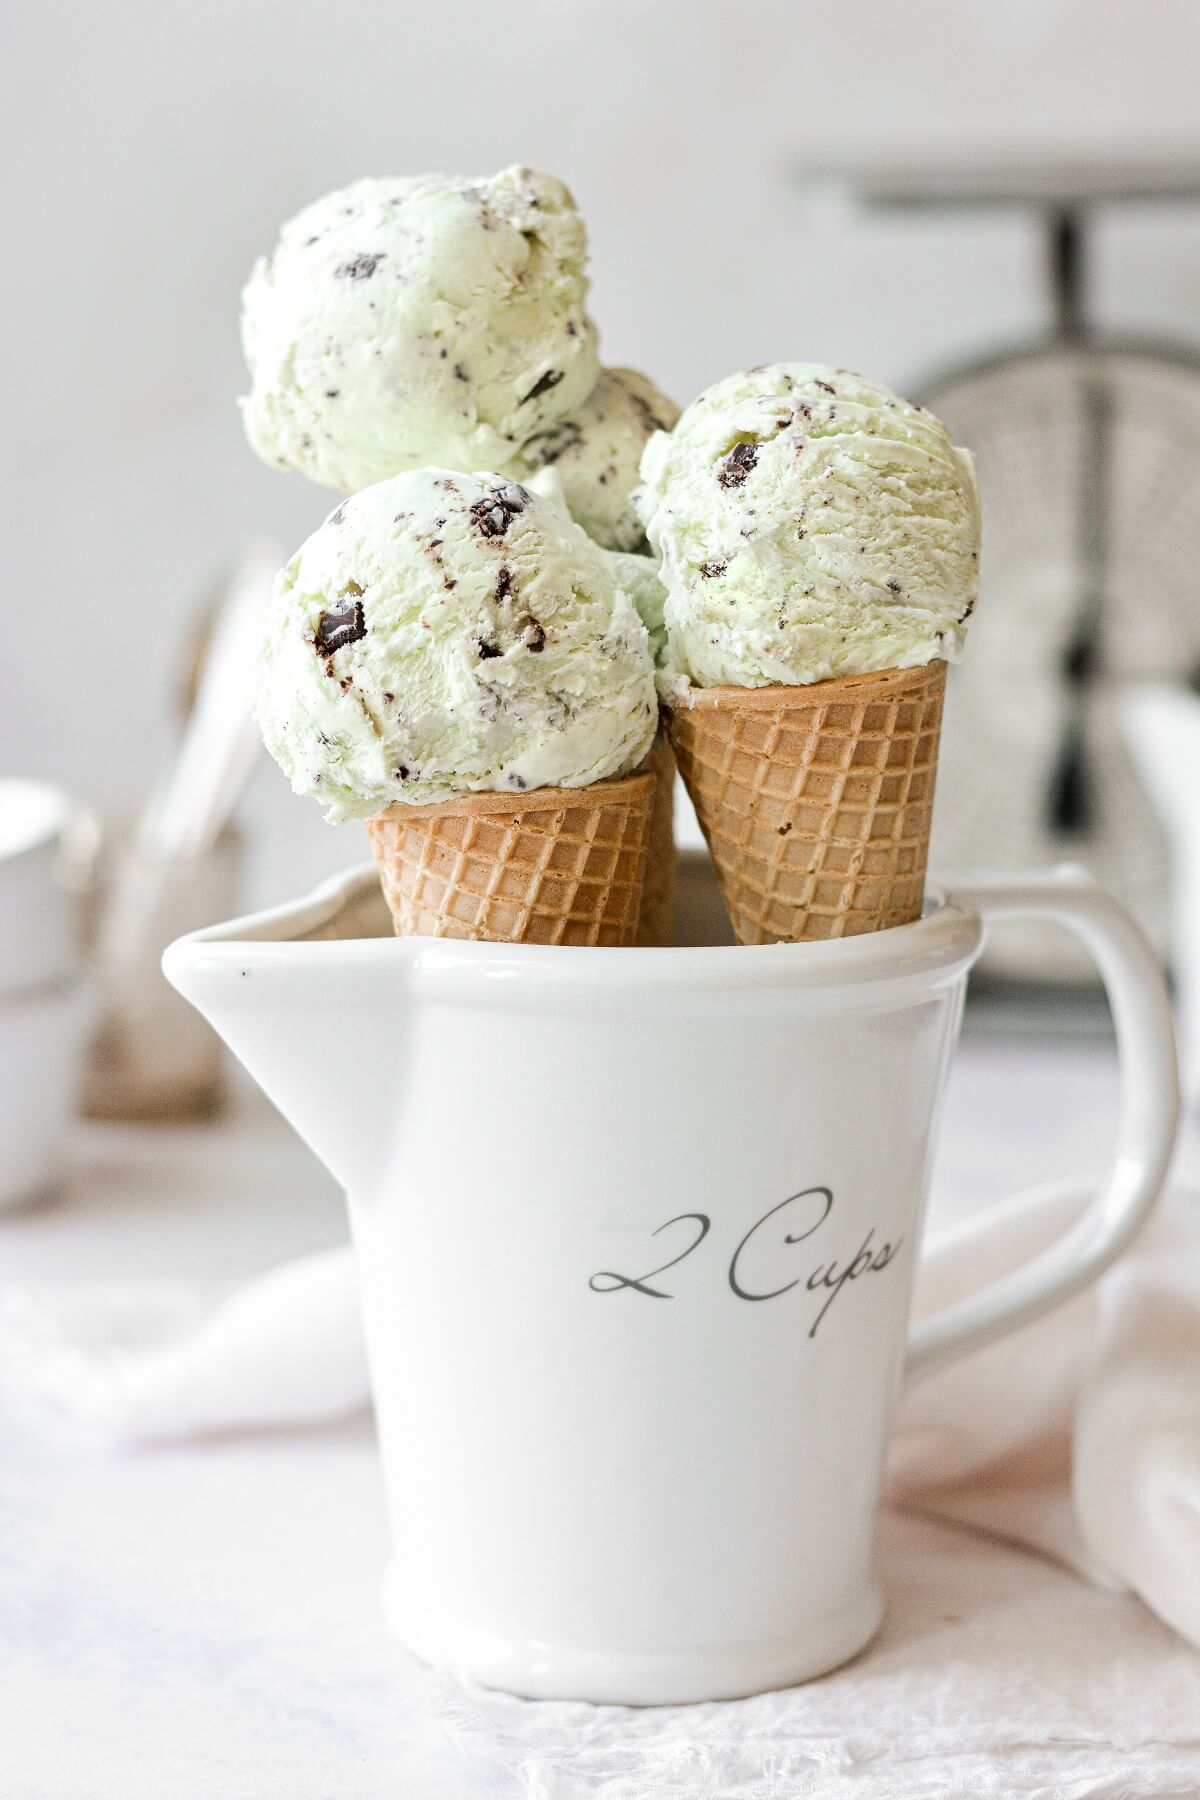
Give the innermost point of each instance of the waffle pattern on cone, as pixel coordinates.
(554, 866)
(816, 801)
(656, 920)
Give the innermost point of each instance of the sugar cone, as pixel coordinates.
(816, 801)
(656, 922)
(552, 866)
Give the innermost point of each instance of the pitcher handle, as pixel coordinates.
(1148, 1116)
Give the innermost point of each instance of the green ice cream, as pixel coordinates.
(442, 633)
(595, 453)
(639, 576)
(405, 322)
(810, 524)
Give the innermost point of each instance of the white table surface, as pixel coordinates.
(202, 1621)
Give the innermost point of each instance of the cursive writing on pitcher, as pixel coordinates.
(753, 1271)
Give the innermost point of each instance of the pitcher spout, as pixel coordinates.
(300, 996)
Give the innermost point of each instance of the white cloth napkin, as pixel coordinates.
(1078, 1436)
(164, 1360)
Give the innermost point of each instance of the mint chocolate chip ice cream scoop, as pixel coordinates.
(433, 319)
(595, 452)
(810, 524)
(444, 633)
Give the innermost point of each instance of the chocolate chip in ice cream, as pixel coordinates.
(343, 623)
(542, 385)
(737, 465)
(488, 649)
(547, 446)
(492, 514)
(359, 268)
(646, 412)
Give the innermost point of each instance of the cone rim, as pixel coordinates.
(613, 790)
(877, 684)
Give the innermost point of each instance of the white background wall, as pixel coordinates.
(148, 151)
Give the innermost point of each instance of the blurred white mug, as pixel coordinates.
(44, 1009)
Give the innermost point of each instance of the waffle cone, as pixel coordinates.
(656, 922)
(816, 801)
(552, 866)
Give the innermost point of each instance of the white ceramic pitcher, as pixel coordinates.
(637, 1231)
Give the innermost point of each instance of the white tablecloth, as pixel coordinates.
(203, 1621)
